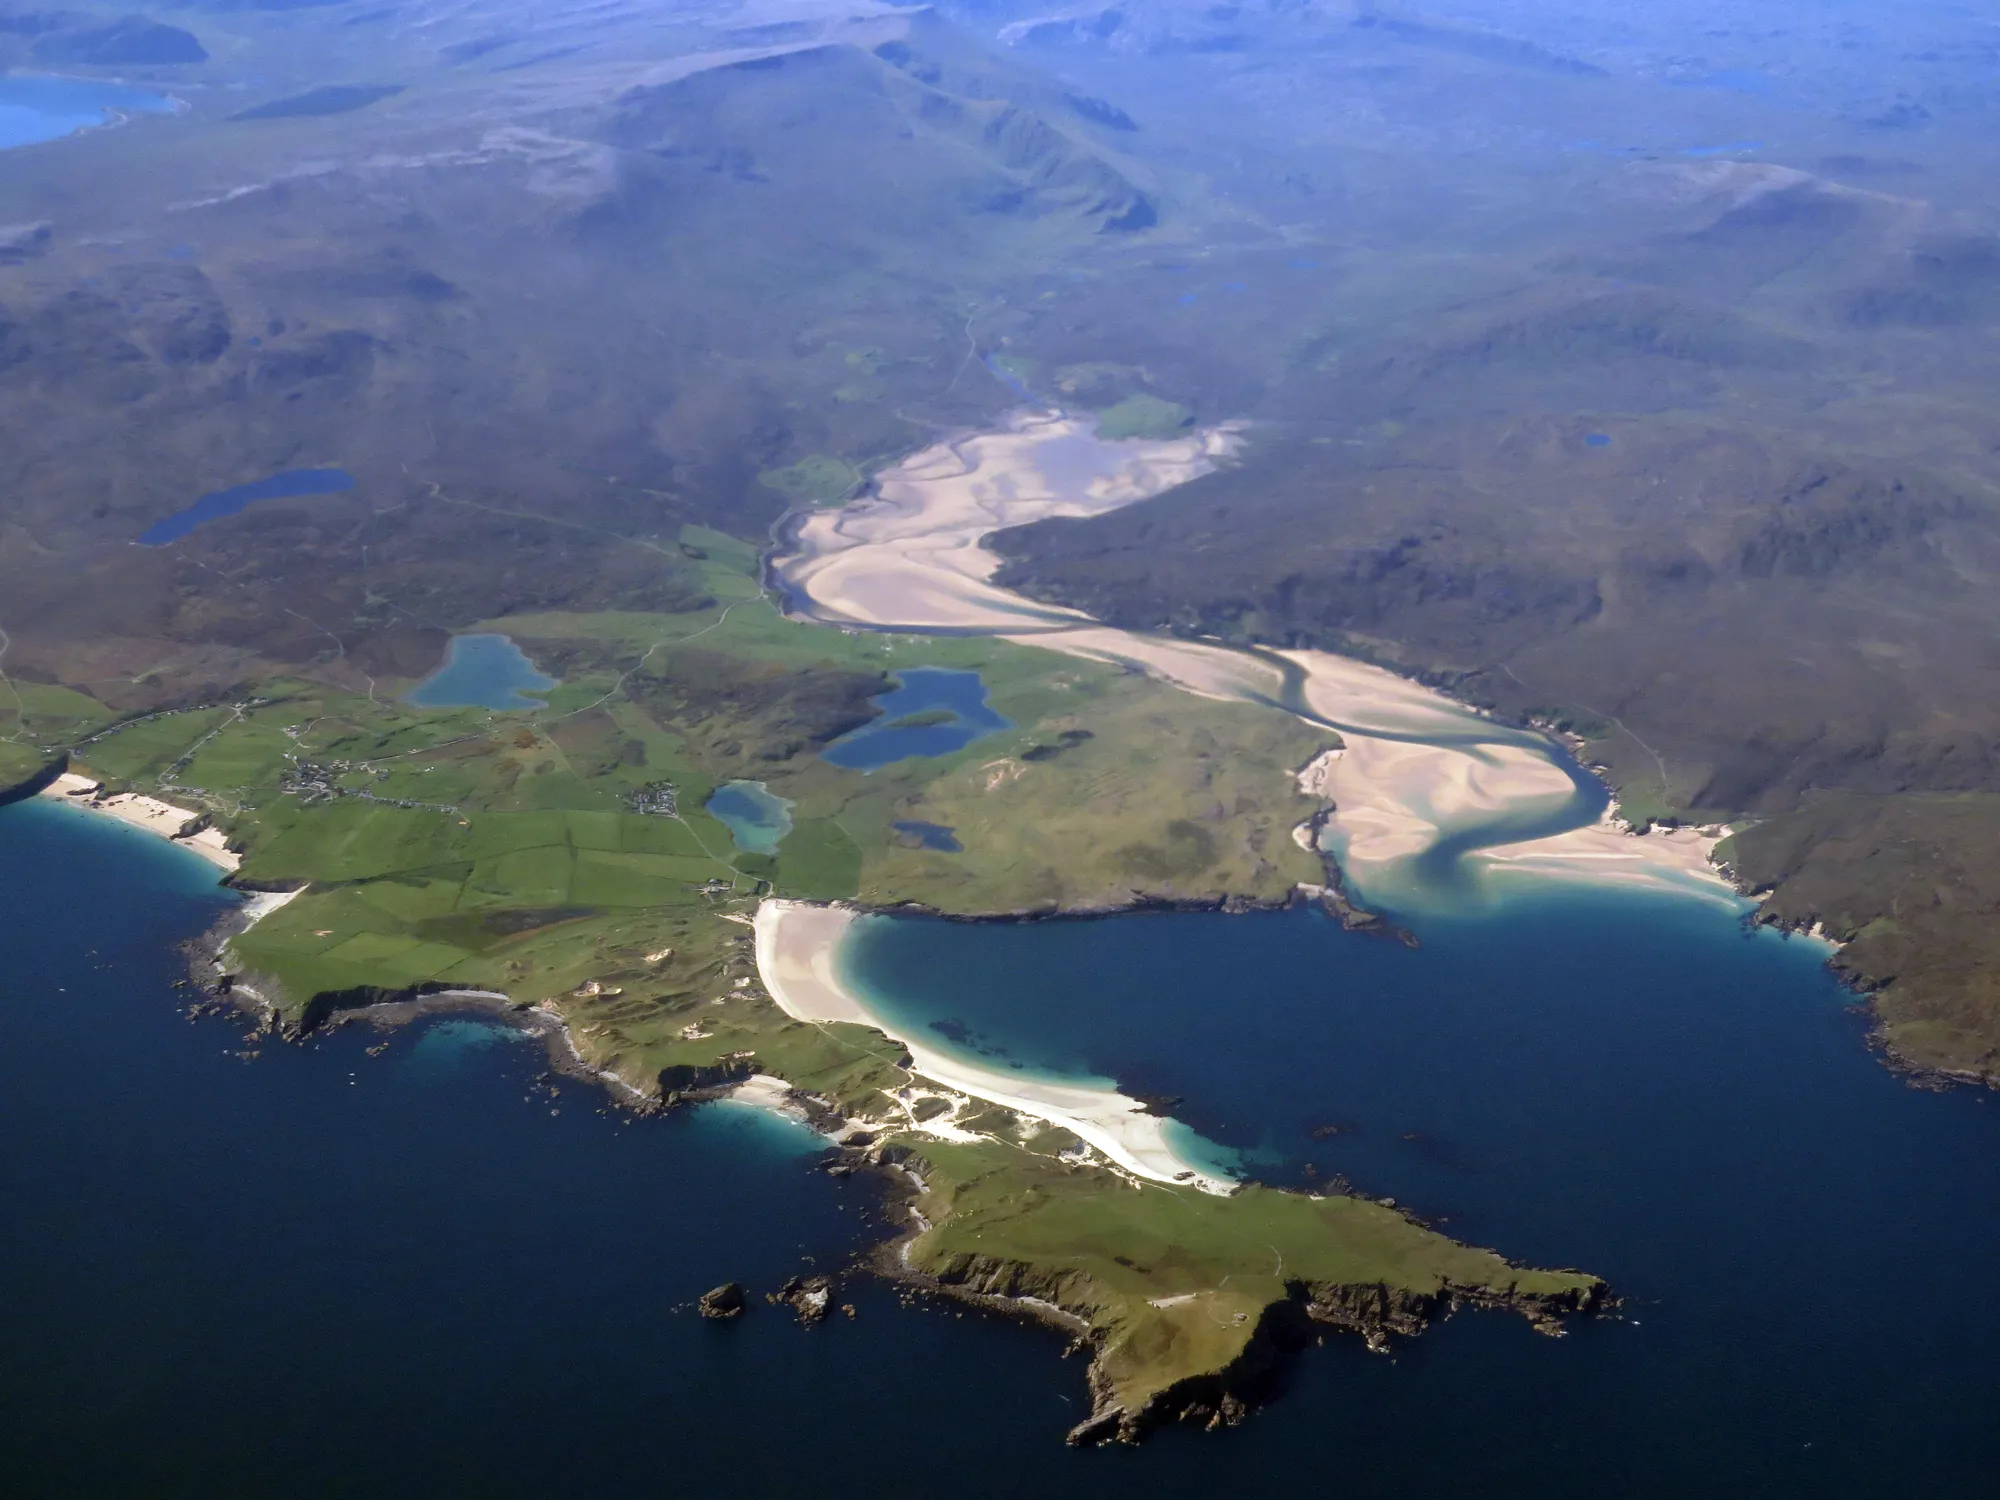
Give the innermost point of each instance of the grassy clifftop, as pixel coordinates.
(1190, 1300)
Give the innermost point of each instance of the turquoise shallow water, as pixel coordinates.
(328, 1274)
(756, 817)
(483, 671)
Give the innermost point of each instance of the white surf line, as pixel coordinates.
(798, 957)
(911, 556)
(262, 903)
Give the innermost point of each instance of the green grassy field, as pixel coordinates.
(1175, 1282)
(818, 478)
(1143, 416)
(435, 843)
(563, 856)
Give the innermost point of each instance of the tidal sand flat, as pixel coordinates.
(1428, 804)
(908, 556)
(1424, 784)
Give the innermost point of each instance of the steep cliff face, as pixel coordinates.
(32, 782)
(1125, 1409)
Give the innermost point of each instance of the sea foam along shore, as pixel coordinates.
(1417, 767)
(798, 955)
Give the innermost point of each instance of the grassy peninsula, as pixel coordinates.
(563, 856)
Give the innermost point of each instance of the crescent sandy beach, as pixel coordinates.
(798, 955)
(147, 813)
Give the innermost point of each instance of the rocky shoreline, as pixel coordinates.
(1008, 1288)
(1331, 899)
(1222, 1398)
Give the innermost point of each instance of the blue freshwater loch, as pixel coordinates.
(217, 504)
(483, 671)
(756, 817)
(439, 1272)
(931, 711)
(930, 835)
(37, 107)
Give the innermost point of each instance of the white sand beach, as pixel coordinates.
(148, 813)
(910, 557)
(1667, 859)
(798, 955)
(909, 554)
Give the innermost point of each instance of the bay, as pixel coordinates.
(324, 1273)
(1633, 1083)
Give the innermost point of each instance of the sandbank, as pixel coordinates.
(1417, 766)
(798, 956)
(908, 555)
(1606, 852)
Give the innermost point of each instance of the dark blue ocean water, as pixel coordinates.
(483, 671)
(919, 690)
(219, 503)
(322, 1273)
(1632, 1084)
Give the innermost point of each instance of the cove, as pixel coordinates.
(1625, 1081)
(217, 504)
(46, 107)
(932, 711)
(483, 671)
(756, 817)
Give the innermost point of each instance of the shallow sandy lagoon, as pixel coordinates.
(1417, 767)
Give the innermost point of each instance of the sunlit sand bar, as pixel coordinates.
(1417, 767)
